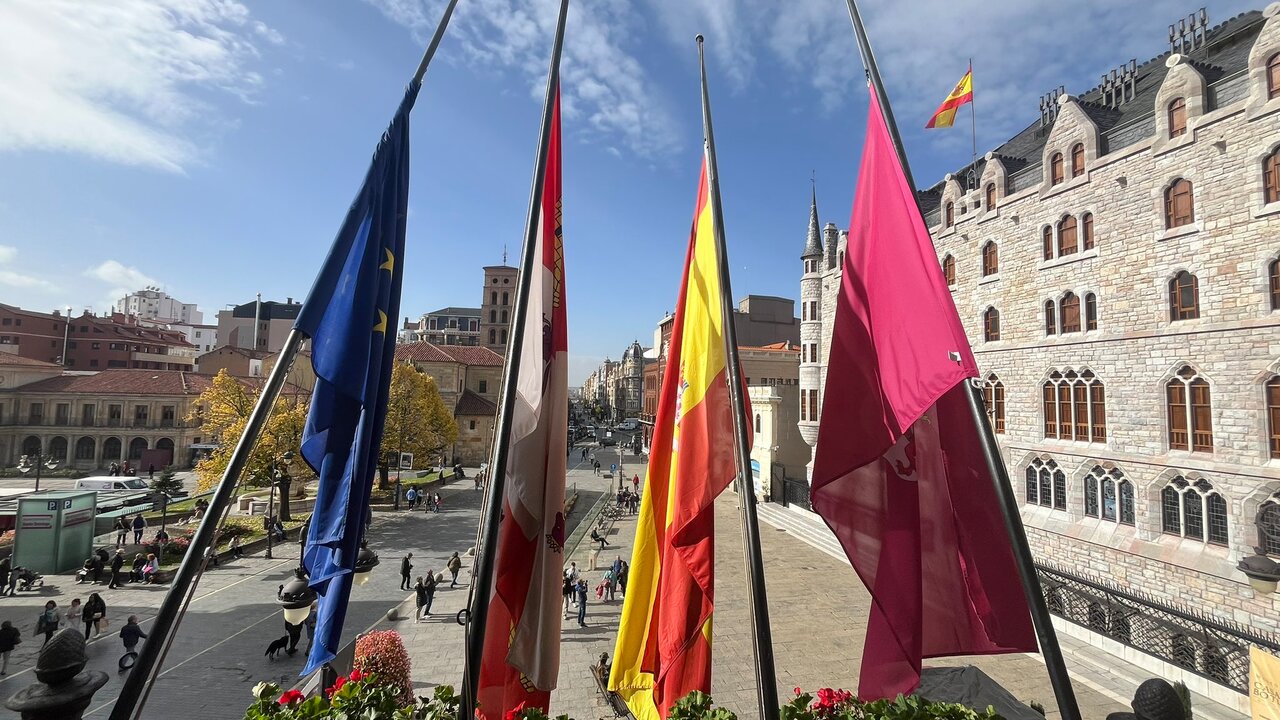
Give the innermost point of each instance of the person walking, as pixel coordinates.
(9, 639)
(566, 589)
(5, 572)
(236, 552)
(48, 621)
(581, 591)
(438, 501)
(117, 562)
(635, 483)
(73, 613)
(622, 578)
(420, 593)
(94, 614)
(122, 530)
(454, 565)
(412, 497)
(609, 579)
(130, 634)
(429, 589)
(151, 472)
(405, 567)
(139, 524)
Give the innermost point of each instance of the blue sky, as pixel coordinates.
(211, 147)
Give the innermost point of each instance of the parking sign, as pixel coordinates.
(613, 467)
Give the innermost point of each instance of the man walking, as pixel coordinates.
(5, 571)
(139, 524)
(429, 587)
(117, 562)
(454, 565)
(582, 603)
(130, 634)
(122, 530)
(412, 497)
(405, 567)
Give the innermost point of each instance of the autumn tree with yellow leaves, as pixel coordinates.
(417, 420)
(222, 411)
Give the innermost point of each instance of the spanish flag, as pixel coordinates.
(946, 115)
(663, 651)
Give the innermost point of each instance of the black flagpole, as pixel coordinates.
(1048, 638)
(758, 601)
(491, 516)
(132, 698)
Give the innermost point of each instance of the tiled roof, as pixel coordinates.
(247, 352)
(472, 404)
(421, 352)
(461, 354)
(10, 359)
(119, 381)
(784, 346)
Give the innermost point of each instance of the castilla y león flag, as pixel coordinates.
(663, 650)
(522, 647)
(899, 474)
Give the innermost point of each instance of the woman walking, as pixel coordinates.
(420, 592)
(73, 613)
(95, 615)
(9, 639)
(48, 621)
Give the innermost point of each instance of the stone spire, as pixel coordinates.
(813, 244)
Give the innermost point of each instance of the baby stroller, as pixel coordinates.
(28, 579)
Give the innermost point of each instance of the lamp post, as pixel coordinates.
(283, 479)
(35, 462)
(366, 561)
(1262, 571)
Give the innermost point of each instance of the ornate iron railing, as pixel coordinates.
(795, 492)
(1214, 648)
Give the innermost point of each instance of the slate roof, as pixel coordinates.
(813, 241)
(451, 310)
(1224, 54)
(472, 404)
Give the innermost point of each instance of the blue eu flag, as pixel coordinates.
(350, 317)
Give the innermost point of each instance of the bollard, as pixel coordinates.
(61, 690)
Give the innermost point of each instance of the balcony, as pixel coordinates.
(109, 423)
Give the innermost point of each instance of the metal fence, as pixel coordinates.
(795, 492)
(1213, 648)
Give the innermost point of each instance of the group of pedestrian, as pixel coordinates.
(574, 589)
(628, 501)
(417, 498)
(123, 525)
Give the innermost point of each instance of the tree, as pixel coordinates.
(165, 487)
(223, 411)
(417, 420)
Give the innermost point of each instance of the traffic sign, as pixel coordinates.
(613, 467)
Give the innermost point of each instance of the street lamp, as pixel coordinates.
(27, 463)
(296, 596)
(366, 561)
(1262, 571)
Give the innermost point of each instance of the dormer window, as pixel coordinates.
(1077, 160)
(1055, 169)
(949, 215)
(1177, 118)
(1273, 77)
(991, 196)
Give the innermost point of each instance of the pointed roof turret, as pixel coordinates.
(813, 244)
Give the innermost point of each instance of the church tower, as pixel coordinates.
(811, 331)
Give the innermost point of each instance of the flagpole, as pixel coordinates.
(973, 126)
(169, 616)
(1049, 648)
(132, 698)
(758, 602)
(490, 517)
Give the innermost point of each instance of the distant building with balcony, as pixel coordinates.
(446, 326)
(152, 303)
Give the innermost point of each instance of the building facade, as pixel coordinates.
(238, 362)
(496, 305)
(470, 383)
(152, 303)
(1117, 269)
(273, 320)
(446, 326)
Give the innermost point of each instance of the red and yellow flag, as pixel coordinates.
(946, 114)
(663, 651)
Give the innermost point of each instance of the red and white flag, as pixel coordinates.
(899, 474)
(521, 657)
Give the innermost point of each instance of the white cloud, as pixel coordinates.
(118, 80)
(19, 280)
(116, 273)
(604, 85)
(8, 253)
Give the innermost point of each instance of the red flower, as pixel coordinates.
(292, 696)
(356, 675)
(342, 680)
(797, 690)
(515, 713)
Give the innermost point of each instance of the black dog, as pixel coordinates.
(276, 646)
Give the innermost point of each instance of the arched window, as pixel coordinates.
(1268, 525)
(1046, 484)
(949, 214)
(504, 316)
(1193, 510)
(136, 446)
(757, 423)
(493, 316)
(1177, 117)
(1067, 241)
(1273, 76)
(991, 196)
(1273, 414)
(990, 259)
(949, 270)
(84, 448)
(1075, 407)
(1108, 495)
(58, 449)
(110, 449)
(504, 336)
(1050, 318)
(1046, 236)
(493, 297)
(1077, 160)
(1070, 305)
(1184, 297)
(1086, 231)
(31, 446)
(993, 395)
(1271, 177)
(1055, 169)
(1090, 312)
(991, 324)
(1179, 204)
(1190, 411)
(505, 298)
(493, 336)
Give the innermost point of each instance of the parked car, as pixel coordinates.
(107, 484)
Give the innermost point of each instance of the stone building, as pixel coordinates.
(469, 379)
(446, 326)
(497, 302)
(1117, 269)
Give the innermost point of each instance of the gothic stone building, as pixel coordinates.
(1117, 268)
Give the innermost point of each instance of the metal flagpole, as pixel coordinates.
(761, 633)
(131, 700)
(973, 126)
(490, 517)
(1049, 648)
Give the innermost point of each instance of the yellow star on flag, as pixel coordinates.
(382, 323)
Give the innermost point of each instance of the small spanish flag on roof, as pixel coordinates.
(946, 114)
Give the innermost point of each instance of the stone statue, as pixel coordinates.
(62, 691)
(1155, 699)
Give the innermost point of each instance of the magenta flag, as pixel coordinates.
(899, 474)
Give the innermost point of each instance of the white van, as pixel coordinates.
(106, 484)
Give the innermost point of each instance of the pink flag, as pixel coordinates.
(899, 474)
